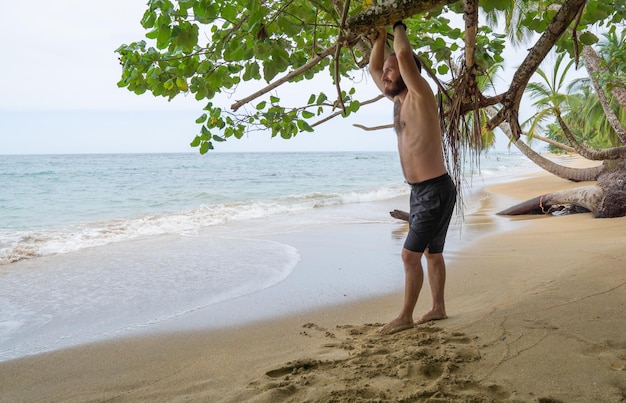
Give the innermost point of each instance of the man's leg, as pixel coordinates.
(413, 280)
(437, 280)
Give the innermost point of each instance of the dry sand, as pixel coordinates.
(537, 313)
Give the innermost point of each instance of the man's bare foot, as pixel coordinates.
(432, 315)
(396, 325)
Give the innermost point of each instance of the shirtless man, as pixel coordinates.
(433, 193)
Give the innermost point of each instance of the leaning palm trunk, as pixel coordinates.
(605, 199)
(594, 66)
(572, 174)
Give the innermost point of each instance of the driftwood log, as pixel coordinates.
(605, 199)
(400, 215)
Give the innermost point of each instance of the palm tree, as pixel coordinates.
(613, 51)
(587, 116)
(548, 94)
(512, 15)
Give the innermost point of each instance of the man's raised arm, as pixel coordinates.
(406, 63)
(377, 58)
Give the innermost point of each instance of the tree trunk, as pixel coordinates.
(606, 199)
(561, 146)
(592, 63)
(588, 197)
(594, 67)
(572, 174)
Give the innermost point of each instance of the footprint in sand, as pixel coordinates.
(418, 364)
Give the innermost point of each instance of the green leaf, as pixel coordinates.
(304, 126)
(181, 84)
(164, 36)
(588, 38)
(229, 12)
(196, 141)
(206, 146)
(168, 85)
(202, 118)
(354, 106)
(152, 34)
(307, 114)
(288, 27)
(251, 72)
(148, 20)
(205, 133)
(261, 105)
(269, 71)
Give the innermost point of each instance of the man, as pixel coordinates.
(433, 193)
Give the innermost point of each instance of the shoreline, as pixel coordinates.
(535, 312)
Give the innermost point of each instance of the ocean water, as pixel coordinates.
(64, 203)
(96, 246)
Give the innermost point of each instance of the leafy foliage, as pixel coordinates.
(207, 49)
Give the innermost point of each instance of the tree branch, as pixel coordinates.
(538, 52)
(344, 15)
(285, 79)
(470, 16)
(369, 129)
(512, 98)
(388, 12)
(561, 146)
(326, 119)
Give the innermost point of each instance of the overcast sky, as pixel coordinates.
(58, 77)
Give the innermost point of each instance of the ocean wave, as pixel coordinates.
(20, 245)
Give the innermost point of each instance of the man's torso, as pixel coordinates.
(419, 138)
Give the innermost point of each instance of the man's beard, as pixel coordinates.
(397, 87)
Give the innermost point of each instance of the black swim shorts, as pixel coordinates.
(432, 205)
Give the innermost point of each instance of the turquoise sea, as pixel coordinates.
(97, 245)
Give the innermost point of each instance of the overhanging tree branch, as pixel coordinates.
(388, 12)
(538, 52)
(334, 115)
(344, 15)
(318, 58)
(369, 129)
(512, 98)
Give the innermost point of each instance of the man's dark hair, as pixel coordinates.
(417, 60)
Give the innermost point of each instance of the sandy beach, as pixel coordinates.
(536, 309)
